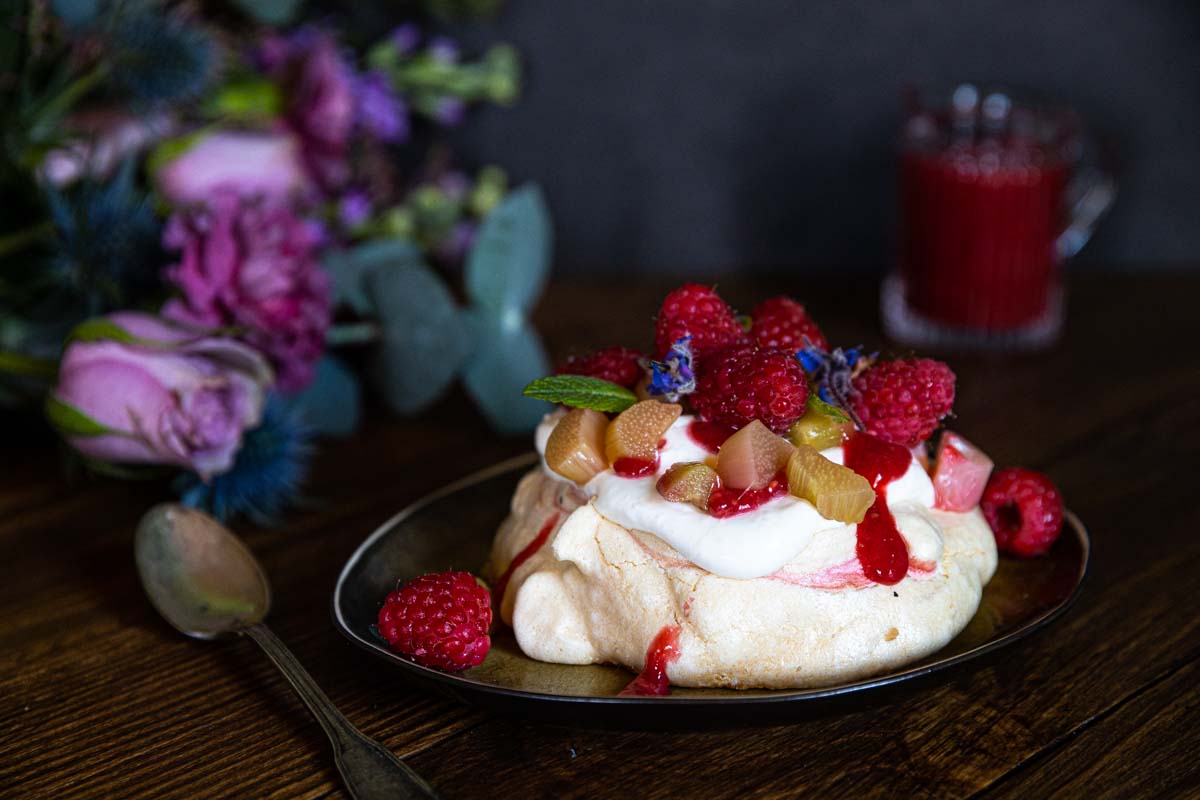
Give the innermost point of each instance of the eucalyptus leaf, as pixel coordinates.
(508, 355)
(70, 421)
(424, 337)
(348, 269)
(332, 404)
(508, 265)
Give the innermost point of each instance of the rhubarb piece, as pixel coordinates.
(818, 429)
(750, 458)
(688, 482)
(839, 493)
(575, 448)
(960, 473)
(636, 431)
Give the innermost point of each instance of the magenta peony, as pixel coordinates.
(159, 394)
(249, 164)
(323, 107)
(251, 264)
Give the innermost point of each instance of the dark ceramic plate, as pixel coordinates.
(452, 529)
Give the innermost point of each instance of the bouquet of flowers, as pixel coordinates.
(199, 218)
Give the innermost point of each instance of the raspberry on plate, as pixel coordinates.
(1024, 509)
(696, 311)
(782, 322)
(616, 364)
(903, 401)
(746, 382)
(439, 620)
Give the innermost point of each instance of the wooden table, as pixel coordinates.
(99, 698)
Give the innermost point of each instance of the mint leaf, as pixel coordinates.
(821, 407)
(70, 421)
(581, 391)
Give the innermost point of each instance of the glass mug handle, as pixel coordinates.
(1092, 193)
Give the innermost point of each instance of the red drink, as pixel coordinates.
(984, 206)
(978, 242)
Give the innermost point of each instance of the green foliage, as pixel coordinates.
(581, 391)
(510, 261)
(70, 421)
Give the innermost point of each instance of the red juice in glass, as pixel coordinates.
(984, 197)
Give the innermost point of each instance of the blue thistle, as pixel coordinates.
(266, 475)
(832, 372)
(673, 376)
(158, 58)
(107, 244)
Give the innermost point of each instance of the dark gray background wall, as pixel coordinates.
(701, 135)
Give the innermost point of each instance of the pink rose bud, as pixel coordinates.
(960, 473)
(266, 164)
(139, 390)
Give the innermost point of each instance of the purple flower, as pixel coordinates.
(673, 376)
(443, 49)
(455, 245)
(381, 113)
(323, 108)
(169, 396)
(252, 264)
(247, 164)
(450, 111)
(405, 38)
(354, 208)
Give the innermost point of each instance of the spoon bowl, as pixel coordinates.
(197, 574)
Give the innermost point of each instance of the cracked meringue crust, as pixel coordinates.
(597, 592)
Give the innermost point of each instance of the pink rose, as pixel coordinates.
(168, 396)
(247, 164)
(251, 263)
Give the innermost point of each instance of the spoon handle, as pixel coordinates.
(369, 770)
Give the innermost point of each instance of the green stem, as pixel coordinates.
(54, 109)
(353, 333)
(29, 366)
(14, 242)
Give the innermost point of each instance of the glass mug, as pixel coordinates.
(994, 197)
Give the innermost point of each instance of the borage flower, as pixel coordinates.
(673, 377)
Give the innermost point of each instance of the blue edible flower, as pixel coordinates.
(673, 377)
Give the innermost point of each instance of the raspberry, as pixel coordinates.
(439, 620)
(616, 364)
(746, 382)
(1025, 510)
(696, 311)
(903, 401)
(782, 322)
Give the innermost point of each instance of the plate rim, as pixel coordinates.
(454, 682)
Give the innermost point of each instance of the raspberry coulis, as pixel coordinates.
(653, 681)
(635, 467)
(726, 502)
(709, 435)
(881, 549)
(538, 542)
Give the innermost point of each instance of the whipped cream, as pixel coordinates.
(758, 542)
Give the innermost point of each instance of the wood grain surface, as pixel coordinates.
(100, 698)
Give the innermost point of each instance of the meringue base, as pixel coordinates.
(597, 592)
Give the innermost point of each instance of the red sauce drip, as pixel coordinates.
(881, 549)
(538, 542)
(635, 467)
(709, 435)
(653, 681)
(726, 502)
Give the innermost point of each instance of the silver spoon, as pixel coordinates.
(206, 583)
